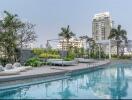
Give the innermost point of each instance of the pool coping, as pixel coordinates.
(62, 72)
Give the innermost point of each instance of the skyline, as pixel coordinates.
(49, 16)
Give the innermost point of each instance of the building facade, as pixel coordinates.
(73, 42)
(101, 26)
(29, 45)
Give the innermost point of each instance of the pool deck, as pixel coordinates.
(46, 71)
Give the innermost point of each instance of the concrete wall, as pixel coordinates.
(25, 55)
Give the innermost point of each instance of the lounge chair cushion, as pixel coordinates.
(16, 64)
(21, 69)
(27, 67)
(65, 63)
(9, 72)
(1, 68)
(8, 66)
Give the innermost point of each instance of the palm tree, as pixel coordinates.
(66, 34)
(119, 35)
(91, 42)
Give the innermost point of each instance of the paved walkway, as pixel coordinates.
(51, 70)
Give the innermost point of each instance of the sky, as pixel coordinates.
(50, 15)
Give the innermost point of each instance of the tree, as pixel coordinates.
(27, 34)
(94, 49)
(9, 27)
(66, 34)
(119, 35)
(88, 41)
(13, 34)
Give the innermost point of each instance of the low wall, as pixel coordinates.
(25, 55)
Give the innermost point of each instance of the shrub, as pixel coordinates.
(38, 51)
(114, 56)
(70, 56)
(122, 57)
(34, 62)
(46, 55)
(67, 59)
(3, 61)
(125, 57)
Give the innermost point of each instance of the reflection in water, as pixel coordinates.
(15, 94)
(107, 83)
(46, 88)
(119, 87)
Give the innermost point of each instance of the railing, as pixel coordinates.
(96, 64)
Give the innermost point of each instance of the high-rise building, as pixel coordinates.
(101, 26)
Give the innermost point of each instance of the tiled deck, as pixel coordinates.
(50, 70)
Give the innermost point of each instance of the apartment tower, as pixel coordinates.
(101, 26)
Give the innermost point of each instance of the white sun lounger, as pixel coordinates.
(5, 72)
(62, 62)
(9, 72)
(82, 60)
(21, 68)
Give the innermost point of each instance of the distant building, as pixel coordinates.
(29, 46)
(128, 49)
(73, 42)
(101, 26)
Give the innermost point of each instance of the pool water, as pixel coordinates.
(114, 82)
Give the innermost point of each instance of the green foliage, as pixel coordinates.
(66, 33)
(3, 61)
(12, 36)
(46, 55)
(34, 62)
(67, 59)
(79, 52)
(43, 53)
(38, 51)
(122, 57)
(114, 56)
(8, 36)
(52, 51)
(46, 63)
(125, 57)
(70, 56)
(93, 55)
(102, 54)
(82, 51)
(119, 35)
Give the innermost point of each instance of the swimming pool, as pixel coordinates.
(114, 82)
